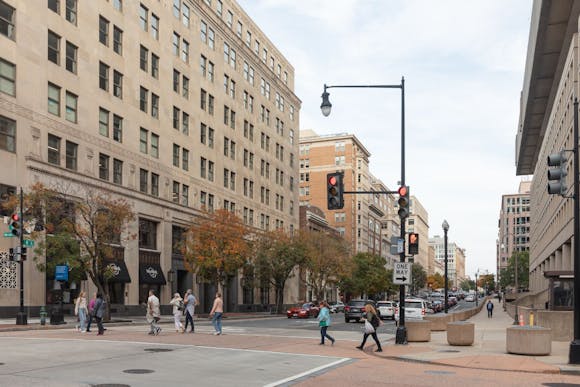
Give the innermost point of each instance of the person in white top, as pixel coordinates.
(153, 313)
(177, 303)
(82, 311)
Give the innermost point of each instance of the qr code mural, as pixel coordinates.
(7, 272)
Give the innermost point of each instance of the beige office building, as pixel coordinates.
(546, 127)
(174, 105)
(455, 259)
(514, 225)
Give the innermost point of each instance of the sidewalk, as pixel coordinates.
(488, 351)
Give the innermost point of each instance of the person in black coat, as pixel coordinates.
(489, 309)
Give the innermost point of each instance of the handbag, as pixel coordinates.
(368, 327)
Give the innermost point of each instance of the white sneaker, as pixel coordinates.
(216, 333)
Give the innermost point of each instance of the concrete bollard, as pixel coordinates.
(528, 340)
(460, 333)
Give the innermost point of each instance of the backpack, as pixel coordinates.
(375, 321)
(180, 305)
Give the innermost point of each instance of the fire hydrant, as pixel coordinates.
(43, 315)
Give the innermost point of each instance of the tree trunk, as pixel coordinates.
(280, 297)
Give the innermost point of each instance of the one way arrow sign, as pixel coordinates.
(402, 273)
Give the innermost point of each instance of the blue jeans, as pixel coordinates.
(83, 319)
(323, 334)
(217, 322)
(188, 319)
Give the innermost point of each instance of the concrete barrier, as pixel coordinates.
(438, 321)
(418, 330)
(460, 333)
(528, 340)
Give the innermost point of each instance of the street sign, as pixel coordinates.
(61, 273)
(9, 234)
(400, 245)
(28, 242)
(402, 273)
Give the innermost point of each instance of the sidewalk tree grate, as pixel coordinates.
(158, 350)
(138, 371)
(436, 372)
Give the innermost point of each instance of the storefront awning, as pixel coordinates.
(151, 274)
(119, 272)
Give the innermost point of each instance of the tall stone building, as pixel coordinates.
(174, 105)
(546, 127)
(514, 225)
(367, 220)
(455, 259)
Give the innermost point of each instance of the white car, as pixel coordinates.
(415, 308)
(387, 309)
(470, 298)
(336, 307)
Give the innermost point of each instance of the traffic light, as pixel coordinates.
(403, 202)
(335, 190)
(23, 251)
(557, 175)
(413, 243)
(11, 254)
(15, 225)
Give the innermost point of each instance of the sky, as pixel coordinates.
(463, 64)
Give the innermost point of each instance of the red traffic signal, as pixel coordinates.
(15, 217)
(403, 190)
(403, 202)
(334, 191)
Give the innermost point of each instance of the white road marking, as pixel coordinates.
(306, 373)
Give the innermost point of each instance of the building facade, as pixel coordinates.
(546, 127)
(366, 219)
(455, 259)
(514, 225)
(177, 106)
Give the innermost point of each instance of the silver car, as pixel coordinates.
(415, 308)
(387, 309)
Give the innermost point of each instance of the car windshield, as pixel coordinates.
(357, 303)
(306, 306)
(385, 304)
(414, 304)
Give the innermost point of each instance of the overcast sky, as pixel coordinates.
(463, 63)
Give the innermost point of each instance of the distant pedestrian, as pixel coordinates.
(91, 311)
(489, 309)
(373, 319)
(99, 312)
(153, 313)
(177, 303)
(82, 311)
(190, 303)
(324, 322)
(216, 313)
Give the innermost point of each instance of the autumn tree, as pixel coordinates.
(436, 281)
(368, 277)
(326, 259)
(77, 225)
(216, 246)
(277, 255)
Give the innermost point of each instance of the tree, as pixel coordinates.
(326, 259)
(487, 281)
(467, 285)
(419, 277)
(369, 276)
(436, 281)
(277, 256)
(391, 288)
(507, 277)
(78, 226)
(216, 247)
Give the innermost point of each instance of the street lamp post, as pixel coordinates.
(445, 226)
(325, 107)
(476, 289)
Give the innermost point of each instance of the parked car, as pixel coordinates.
(470, 298)
(387, 309)
(437, 306)
(355, 309)
(306, 310)
(336, 307)
(415, 308)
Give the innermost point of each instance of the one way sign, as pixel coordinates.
(402, 273)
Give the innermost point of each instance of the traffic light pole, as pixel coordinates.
(574, 354)
(21, 317)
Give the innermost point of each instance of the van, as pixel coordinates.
(415, 308)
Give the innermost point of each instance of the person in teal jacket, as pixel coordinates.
(324, 322)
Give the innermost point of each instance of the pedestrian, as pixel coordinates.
(324, 322)
(177, 303)
(153, 313)
(216, 314)
(99, 312)
(373, 319)
(190, 303)
(489, 309)
(91, 311)
(82, 310)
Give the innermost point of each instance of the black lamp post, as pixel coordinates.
(445, 226)
(476, 289)
(325, 107)
(574, 354)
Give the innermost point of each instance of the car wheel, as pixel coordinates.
(346, 320)
(289, 316)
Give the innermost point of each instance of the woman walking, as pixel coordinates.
(177, 303)
(82, 311)
(216, 314)
(324, 322)
(373, 319)
(99, 312)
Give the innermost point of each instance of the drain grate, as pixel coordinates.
(436, 372)
(449, 350)
(138, 371)
(158, 350)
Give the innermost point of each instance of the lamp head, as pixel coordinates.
(445, 226)
(325, 106)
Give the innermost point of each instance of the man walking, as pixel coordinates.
(153, 313)
(190, 302)
(489, 309)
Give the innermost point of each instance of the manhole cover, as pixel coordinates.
(158, 350)
(435, 372)
(449, 350)
(138, 371)
(110, 385)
